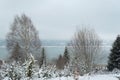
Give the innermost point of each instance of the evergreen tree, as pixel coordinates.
(66, 56)
(114, 58)
(43, 58)
(60, 62)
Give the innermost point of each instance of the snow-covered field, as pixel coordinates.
(93, 77)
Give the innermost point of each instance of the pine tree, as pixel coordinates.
(43, 58)
(66, 56)
(114, 58)
(60, 62)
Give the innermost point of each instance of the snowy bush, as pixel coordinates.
(13, 71)
(47, 72)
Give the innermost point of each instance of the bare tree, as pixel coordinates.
(23, 33)
(86, 47)
(17, 54)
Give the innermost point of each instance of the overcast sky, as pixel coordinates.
(58, 19)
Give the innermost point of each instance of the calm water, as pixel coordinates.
(3, 53)
(51, 51)
(55, 51)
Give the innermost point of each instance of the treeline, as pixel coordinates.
(23, 40)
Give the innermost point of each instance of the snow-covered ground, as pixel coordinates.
(97, 77)
(101, 76)
(31, 71)
(93, 77)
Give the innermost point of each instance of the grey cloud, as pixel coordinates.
(56, 18)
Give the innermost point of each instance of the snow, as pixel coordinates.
(93, 77)
(98, 77)
(101, 76)
(16, 71)
(50, 73)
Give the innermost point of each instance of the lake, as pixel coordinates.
(55, 51)
(53, 48)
